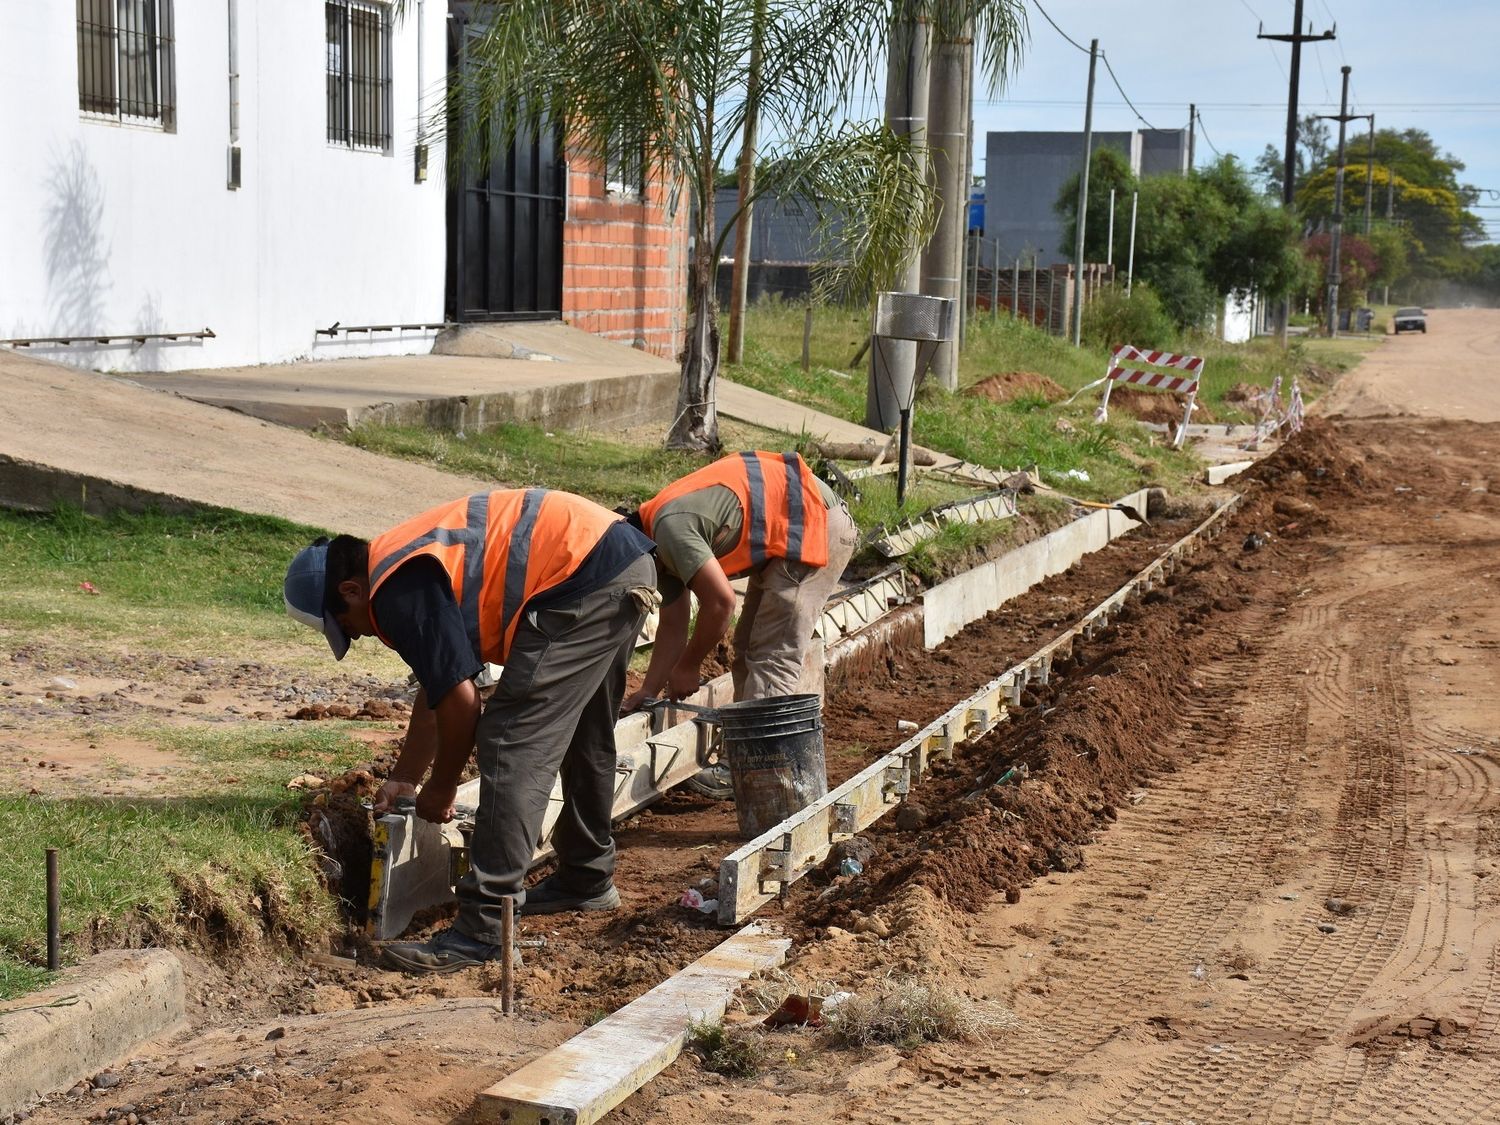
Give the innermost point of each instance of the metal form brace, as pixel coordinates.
(855, 607)
(992, 506)
(129, 337)
(337, 328)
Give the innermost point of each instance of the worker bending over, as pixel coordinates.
(762, 514)
(550, 585)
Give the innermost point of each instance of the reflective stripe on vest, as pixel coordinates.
(518, 558)
(471, 538)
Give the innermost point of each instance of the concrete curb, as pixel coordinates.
(123, 998)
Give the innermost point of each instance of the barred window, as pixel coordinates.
(359, 74)
(125, 60)
(624, 169)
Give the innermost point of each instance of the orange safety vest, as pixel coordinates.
(499, 549)
(785, 517)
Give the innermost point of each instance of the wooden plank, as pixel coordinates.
(581, 1080)
(758, 871)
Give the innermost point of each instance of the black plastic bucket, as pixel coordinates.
(774, 748)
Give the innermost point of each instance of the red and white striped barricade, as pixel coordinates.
(1157, 380)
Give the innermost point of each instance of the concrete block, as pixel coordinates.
(1218, 474)
(124, 998)
(580, 1081)
(951, 605)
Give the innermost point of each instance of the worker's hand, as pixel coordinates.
(683, 681)
(634, 701)
(390, 792)
(435, 802)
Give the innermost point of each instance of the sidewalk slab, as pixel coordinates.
(123, 998)
(104, 442)
(746, 404)
(476, 378)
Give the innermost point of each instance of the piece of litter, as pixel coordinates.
(905, 726)
(851, 866)
(88, 588)
(1073, 474)
(691, 899)
(1199, 972)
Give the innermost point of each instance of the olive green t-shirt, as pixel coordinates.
(697, 526)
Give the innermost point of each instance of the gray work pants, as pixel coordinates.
(554, 710)
(782, 605)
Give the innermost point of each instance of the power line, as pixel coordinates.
(1057, 29)
(1275, 57)
(1204, 133)
(1123, 94)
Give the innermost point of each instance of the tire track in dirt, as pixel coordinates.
(1188, 863)
(1276, 1051)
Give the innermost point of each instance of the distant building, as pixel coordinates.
(260, 168)
(1025, 171)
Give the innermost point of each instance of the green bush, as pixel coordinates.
(1112, 319)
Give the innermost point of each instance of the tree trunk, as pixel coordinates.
(696, 424)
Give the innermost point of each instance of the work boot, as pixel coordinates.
(548, 897)
(712, 781)
(445, 952)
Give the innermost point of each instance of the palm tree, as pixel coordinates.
(668, 78)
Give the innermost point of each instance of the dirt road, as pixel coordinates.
(1296, 922)
(1446, 372)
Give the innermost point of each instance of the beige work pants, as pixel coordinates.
(782, 605)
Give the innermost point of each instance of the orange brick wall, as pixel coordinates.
(625, 262)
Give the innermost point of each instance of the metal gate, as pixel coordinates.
(505, 222)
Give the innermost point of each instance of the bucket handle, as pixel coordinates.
(704, 714)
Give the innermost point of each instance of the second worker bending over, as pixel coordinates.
(762, 514)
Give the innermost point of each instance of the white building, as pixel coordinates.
(244, 166)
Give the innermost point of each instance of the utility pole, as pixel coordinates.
(1343, 118)
(965, 190)
(1289, 172)
(1083, 198)
(947, 138)
(1192, 134)
(1370, 175)
(906, 116)
(740, 278)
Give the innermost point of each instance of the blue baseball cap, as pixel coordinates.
(303, 591)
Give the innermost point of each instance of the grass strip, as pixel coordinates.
(225, 867)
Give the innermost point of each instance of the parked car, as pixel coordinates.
(1410, 320)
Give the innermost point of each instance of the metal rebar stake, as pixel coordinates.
(54, 915)
(507, 956)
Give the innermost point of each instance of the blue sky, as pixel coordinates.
(1411, 61)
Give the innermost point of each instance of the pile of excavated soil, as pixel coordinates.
(1318, 461)
(1008, 385)
(1158, 407)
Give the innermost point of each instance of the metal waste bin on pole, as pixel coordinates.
(930, 321)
